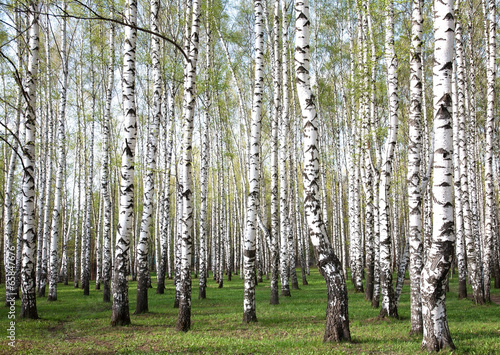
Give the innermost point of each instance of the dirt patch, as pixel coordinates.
(495, 299)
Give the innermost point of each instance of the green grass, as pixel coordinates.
(77, 324)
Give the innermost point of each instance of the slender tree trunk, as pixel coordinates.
(61, 161)
(28, 301)
(434, 274)
(249, 312)
(205, 164)
(105, 178)
(284, 246)
(147, 211)
(11, 292)
(275, 219)
(189, 100)
(414, 167)
(388, 305)
(121, 315)
(489, 179)
(337, 317)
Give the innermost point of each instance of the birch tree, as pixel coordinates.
(149, 183)
(205, 150)
(388, 307)
(188, 106)
(275, 257)
(414, 163)
(28, 300)
(61, 161)
(249, 312)
(490, 124)
(121, 315)
(337, 317)
(105, 178)
(436, 334)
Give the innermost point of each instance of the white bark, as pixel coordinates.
(388, 307)
(188, 106)
(249, 312)
(105, 178)
(28, 301)
(414, 167)
(489, 179)
(61, 161)
(436, 334)
(121, 314)
(337, 320)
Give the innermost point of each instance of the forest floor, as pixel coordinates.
(77, 324)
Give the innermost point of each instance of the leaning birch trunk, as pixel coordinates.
(61, 161)
(274, 297)
(489, 179)
(337, 317)
(414, 164)
(149, 183)
(434, 274)
(388, 307)
(121, 315)
(28, 287)
(189, 101)
(249, 313)
(105, 188)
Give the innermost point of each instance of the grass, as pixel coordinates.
(77, 324)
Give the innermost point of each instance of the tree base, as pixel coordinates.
(249, 317)
(416, 331)
(285, 291)
(184, 319)
(41, 291)
(106, 293)
(202, 293)
(462, 290)
(274, 297)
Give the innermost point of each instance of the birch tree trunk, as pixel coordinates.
(86, 239)
(283, 146)
(388, 307)
(436, 334)
(205, 164)
(149, 183)
(249, 313)
(414, 164)
(337, 317)
(121, 315)
(61, 161)
(8, 233)
(28, 300)
(189, 101)
(105, 178)
(490, 124)
(472, 263)
(275, 220)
